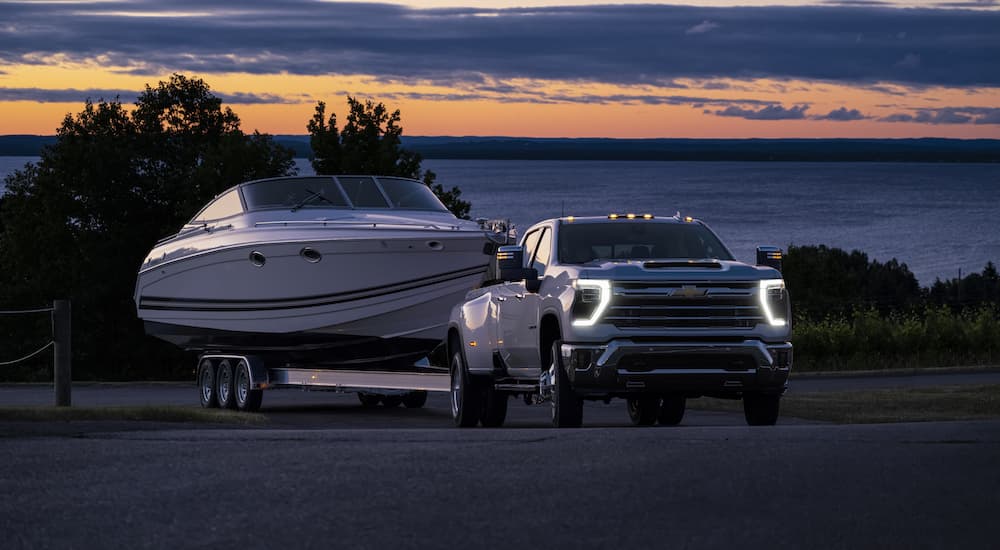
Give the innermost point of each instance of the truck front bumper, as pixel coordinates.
(702, 368)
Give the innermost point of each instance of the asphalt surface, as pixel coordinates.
(326, 473)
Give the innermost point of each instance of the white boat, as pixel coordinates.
(329, 270)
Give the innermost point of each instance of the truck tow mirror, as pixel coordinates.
(769, 256)
(510, 262)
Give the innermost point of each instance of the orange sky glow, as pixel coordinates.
(530, 106)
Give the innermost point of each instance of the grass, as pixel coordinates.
(868, 340)
(147, 414)
(967, 402)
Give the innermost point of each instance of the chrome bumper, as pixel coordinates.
(688, 365)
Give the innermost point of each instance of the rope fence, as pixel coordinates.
(29, 356)
(60, 344)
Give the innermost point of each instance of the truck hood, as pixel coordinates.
(676, 270)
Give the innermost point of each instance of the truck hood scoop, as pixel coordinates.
(687, 264)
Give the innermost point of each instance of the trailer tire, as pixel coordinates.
(567, 406)
(368, 400)
(206, 384)
(247, 398)
(466, 397)
(224, 385)
(415, 399)
(392, 401)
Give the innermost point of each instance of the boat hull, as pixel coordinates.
(351, 300)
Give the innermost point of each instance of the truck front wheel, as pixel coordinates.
(466, 398)
(567, 407)
(761, 409)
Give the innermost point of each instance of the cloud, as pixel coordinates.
(909, 61)
(616, 44)
(43, 95)
(771, 112)
(702, 28)
(842, 114)
(948, 115)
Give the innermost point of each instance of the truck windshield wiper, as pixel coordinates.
(310, 197)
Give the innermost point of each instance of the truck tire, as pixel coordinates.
(224, 385)
(761, 409)
(247, 398)
(672, 410)
(466, 397)
(415, 399)
(494, 408)
(567, 407)
(642, 411)
(206, 384)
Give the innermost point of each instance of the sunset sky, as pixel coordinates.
(853, 68)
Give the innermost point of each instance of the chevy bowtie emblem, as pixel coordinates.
(688, 291)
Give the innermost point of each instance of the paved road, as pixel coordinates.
(327, 473)
(932, 485)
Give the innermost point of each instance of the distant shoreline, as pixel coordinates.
(937, 150)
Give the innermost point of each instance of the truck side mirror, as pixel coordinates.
(510, 264)
(769, 256)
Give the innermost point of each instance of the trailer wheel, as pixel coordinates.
(567, 407)
(466, 398)
(415, 399)
(642, 411)
(368, 400)
(206, 384)
(224, 385)
(494, 408)
(392, 401)
(672, 410)
(247, 398)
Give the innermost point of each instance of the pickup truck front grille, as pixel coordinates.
(684, 304)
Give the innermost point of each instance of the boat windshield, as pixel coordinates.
(297, 193)
(404, 193)
(583, 242)
(340, 192)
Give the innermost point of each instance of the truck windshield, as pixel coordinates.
(583, 242)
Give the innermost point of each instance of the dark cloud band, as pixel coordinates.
(623, 44)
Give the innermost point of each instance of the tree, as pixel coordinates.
(370, 143)
(823, 280)
(78, 223)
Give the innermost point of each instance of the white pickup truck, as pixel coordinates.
(653, 310)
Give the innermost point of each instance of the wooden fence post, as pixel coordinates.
(62, 352)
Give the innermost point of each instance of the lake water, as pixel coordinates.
(937, 218)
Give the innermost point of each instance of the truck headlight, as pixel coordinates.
(591, 299)
(774, 301)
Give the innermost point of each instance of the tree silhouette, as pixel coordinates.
(370, 143)
(78, 223)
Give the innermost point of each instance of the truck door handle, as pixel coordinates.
(499, 299)
(519, 296)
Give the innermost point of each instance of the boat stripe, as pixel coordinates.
(180, 304)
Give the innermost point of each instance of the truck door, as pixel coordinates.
(518, 324)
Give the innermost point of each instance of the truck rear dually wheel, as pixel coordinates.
(466, 398)
(567, 407)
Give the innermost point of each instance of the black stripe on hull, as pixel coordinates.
(318, 350)
(175, 304)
